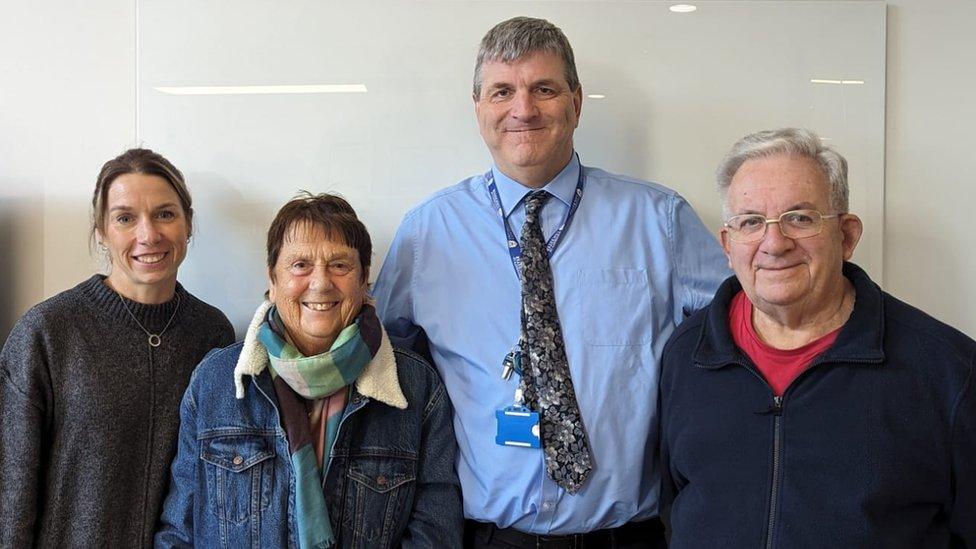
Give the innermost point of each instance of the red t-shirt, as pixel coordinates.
(779, 367)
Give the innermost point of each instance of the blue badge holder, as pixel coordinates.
(517, 426)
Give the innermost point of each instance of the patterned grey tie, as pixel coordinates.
(546, 385)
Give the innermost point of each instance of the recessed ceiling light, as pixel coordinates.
(683, 8)
(596, 96)
(254, 90)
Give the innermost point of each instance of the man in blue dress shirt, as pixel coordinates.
(629, 260)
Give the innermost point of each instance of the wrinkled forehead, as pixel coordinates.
(780, 182)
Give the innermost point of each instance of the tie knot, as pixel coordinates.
(535, 201)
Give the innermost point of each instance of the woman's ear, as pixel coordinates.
(270, 294)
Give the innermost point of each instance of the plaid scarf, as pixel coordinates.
(320, 375)
(297, 379)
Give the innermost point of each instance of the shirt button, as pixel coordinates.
(238, 460)
(546, 505)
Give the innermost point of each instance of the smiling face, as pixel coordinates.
(779, 272)
(527, 115)
(145, 230)
(318, 286)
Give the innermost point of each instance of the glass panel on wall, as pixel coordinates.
(255, 100)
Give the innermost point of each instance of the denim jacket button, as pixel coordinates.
(238, 460)
(381, 480)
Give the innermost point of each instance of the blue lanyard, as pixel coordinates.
(514, 248)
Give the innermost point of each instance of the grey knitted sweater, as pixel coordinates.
(89, 414)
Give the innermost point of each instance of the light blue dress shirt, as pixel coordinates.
(635, 260)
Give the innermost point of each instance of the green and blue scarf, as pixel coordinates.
(299, 379)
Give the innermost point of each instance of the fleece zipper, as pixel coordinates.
(777, 411)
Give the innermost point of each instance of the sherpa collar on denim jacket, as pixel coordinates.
(378, 380)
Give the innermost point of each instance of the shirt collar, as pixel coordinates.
(563, 186)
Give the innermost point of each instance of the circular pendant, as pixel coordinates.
(154, 340)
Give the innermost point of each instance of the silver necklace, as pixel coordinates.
(154, 339)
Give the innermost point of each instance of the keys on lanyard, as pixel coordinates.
(512, 363)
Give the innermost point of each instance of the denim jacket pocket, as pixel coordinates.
(239, 470)
(381, 489)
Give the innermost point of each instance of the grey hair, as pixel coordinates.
(518, 37)
(786, 141)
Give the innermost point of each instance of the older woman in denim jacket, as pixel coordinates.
(314, 431)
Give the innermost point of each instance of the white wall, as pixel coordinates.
(67, 104)
(930, 193)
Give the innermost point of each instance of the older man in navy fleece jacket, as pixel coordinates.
(806, 407)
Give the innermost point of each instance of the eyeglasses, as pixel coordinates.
(793, 224)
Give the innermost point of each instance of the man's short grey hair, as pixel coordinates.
(518, 37)
(786, 141)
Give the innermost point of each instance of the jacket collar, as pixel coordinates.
(860, 340)
(378, 380)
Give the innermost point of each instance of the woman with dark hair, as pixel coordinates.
(91, 379)
(314, 432)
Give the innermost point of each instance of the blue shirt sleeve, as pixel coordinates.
(393, 290)
(700, 264)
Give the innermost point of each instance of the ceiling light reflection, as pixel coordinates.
(256, 90)
(683, 8)
(831, 81)
(596, 96)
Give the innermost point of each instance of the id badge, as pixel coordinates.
(517, 426)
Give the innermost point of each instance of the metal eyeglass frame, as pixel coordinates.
(767, 222)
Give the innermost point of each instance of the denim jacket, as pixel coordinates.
(391, 480)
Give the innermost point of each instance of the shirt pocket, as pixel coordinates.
(614, 306)
(239, 470)
(380, 497)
